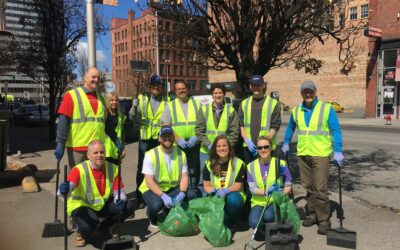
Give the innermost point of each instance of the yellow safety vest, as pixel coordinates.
(165, 179)
(230, 175)
(314, 140)
(267, 109)
(85, 126)
(254, 169)
(110, 147)
(150, 124)
(213, 131)
(86, 193)
(182, 126)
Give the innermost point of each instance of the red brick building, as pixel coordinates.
(138, 39)
(383, 72)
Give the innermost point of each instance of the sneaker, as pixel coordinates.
(153, 224)
(309, 221)
(323, 227)
(79, 241)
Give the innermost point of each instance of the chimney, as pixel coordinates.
(131, 15)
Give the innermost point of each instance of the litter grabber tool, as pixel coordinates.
(341, 237)
(280, 235)
(56, 228)
(66, 232)
(249, 245)
(121, 241)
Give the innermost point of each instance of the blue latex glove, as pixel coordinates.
(222, 192)
(167, 201)
(59, 152)
(182, 143)
(251, 146)
(64, 187)
(120, 204)
(272, 189)
(285, 149)
(179, 198)
(192, 142)
(119, 147)
(338, 157)
(209, 146)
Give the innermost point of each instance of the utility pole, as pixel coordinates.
(91, 35)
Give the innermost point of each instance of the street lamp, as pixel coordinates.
(167, 61)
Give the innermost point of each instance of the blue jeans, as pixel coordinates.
(193, 162)
(203, 158)
(255, 213)
(233, 207)
(155, 204)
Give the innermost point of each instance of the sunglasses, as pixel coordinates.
(263, 147)
(170, 138)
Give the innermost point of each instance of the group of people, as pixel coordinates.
(187, 150)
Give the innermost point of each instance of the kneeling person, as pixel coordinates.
(166, 177)
(94, 193)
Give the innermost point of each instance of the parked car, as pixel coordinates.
(32, 114)
(337, 107)
(11, 108)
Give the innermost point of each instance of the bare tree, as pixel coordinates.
(50, 54)
(255, 36)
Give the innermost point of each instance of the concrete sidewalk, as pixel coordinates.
(23, 217)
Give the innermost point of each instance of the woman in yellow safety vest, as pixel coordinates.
(114, 128)
(262, 180)
(223, 176)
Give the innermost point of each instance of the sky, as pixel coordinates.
(103, 43)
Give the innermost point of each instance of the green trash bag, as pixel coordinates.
(179, 222)
(288, 210)
(210, 210)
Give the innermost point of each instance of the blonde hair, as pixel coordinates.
(108, 107)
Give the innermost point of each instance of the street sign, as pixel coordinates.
(110, 87)
(108, 2)
(373, 32)
(140, 66)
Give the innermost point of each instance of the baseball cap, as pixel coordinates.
(308, 85)
(166, 130)
(155, 79)
(256, 80)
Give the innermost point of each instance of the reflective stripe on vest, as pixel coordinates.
(267, 109)
(314, 140)
(213, 131)
(83, 196)
(150, 123)
(184, 127)
(254, 169)
(109, 145)
(86, 126)
(165, 179)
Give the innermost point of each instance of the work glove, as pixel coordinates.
(179, 198)
(182, 143)
(167, 201)
(338, 157)
(192, 142)
(213, 191)
(120, 204)
(209, 146)
(251, 146)
(59, 152)
(64, 188)
(272, 189)
(285, 148)
(222, 192)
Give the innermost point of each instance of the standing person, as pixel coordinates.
(166, 179)
(317, 124)
(258, 115)
(216, 118)
(149, 109)
(223, 176)
(181, 115)
(115, 135)
(93, 188)
(262, 181)
(81, 119)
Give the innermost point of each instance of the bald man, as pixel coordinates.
(81, 119)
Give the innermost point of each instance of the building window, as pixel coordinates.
(364, 11)
(176, 70)
(203, 84)
(188, 70)
(353, 13)
(160, 25)
(167, 26)
(192, 84)
(181, 71)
